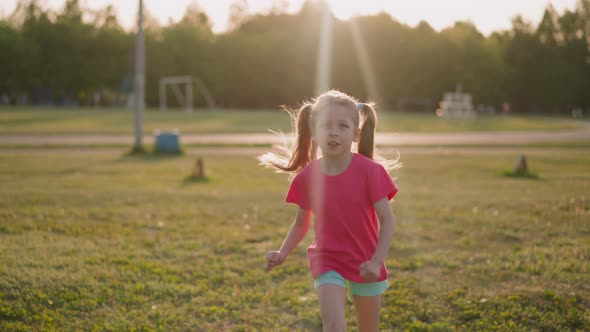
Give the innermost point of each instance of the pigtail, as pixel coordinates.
(366, 145)
(293, 160)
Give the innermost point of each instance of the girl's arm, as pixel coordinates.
(296, 233)
(370, 270)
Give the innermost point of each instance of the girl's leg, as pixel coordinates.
(332, 300)
(368, 309)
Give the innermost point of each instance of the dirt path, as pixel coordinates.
(386, 139)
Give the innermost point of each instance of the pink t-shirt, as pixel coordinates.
(345, 225)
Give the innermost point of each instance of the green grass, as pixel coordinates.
(53, 121)
(96, 240)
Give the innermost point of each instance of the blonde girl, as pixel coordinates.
(348, 194)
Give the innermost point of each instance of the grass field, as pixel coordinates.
(98, 241)
(28, 121)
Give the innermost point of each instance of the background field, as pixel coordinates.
(96, 240)
(38, 121)
(93, 238)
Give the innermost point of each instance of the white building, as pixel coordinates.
(456, 105)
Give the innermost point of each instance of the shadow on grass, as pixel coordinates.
(193, 179)
(529, 176)
(149, 155)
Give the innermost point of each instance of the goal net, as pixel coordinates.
(184, 99)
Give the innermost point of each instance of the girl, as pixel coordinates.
(346, 192)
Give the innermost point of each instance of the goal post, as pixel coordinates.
(184, 99)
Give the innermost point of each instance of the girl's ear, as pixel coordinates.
(356, 135)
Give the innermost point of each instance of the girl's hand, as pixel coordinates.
(274, 258)
(370, 271)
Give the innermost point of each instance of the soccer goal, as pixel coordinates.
(184, 99)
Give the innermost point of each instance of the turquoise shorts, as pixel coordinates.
(356, 288)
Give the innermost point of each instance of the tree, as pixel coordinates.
(548, 29)
(238, 13)
(269, 59)
(279, 7)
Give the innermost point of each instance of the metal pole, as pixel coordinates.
(139, 80)
(162, 94)
(189, 95)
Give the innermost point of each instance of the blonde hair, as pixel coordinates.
(293, 158)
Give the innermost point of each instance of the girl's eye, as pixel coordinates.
(343, 125)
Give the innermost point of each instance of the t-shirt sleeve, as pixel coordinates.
(380, 184)
(297, 193)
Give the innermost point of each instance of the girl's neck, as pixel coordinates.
(334, 165)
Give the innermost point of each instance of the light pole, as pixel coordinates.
(139, 81)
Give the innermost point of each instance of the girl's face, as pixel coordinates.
(334, 131)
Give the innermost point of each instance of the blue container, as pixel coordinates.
(168, 142)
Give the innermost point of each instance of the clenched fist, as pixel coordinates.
(370, 271)
(274, 258)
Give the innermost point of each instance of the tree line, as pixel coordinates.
(269, 59)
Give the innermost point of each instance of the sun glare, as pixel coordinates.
(347, 9)
(344, 10)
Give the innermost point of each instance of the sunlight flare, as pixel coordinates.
(364, 59)
(324, 57)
